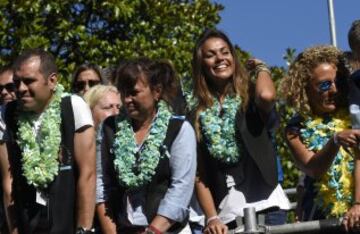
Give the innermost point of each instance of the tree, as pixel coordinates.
(104, 32)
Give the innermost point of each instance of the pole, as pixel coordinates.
(332, 22)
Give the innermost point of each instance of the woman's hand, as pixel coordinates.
(215, 227)
(352, 218)
(347, 138)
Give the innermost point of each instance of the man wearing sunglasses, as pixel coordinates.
(51, 147)
(7, 94)
(7, 86)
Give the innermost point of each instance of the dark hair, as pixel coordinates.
(85, 67)
(6, 68)
(156, 73)
(354, 38)
(47, 61)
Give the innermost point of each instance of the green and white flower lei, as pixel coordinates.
(219, 131)
(135, 172)
(40, 159)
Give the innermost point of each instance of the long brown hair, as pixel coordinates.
(202, 87)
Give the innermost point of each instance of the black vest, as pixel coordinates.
(160, 182)
(255, 174)
(58, 217)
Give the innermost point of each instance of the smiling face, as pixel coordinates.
(322, 90)
(218, 62)
(34, 91)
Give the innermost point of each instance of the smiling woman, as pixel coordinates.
(319, 136)
(232, 118)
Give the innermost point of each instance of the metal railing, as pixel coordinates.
(251, 225)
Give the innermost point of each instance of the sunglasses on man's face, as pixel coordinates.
(81, 84)
(10, 87)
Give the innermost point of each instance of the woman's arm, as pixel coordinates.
(316, 164)
(106, 220)
(174, 206)
(352, 217)
(213, 223)
(265, 93)
(6, 186)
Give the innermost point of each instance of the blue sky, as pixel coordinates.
(266, 28)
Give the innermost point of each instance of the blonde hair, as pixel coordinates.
(94, 94)
(294, 86)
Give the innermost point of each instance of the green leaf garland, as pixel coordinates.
(135, 172)
(40, 159)
(219, 130)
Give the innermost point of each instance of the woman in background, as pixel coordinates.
(85, 77)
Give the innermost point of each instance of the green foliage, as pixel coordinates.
(104, 32)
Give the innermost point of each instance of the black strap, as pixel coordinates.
(68, 130)
(173, 130)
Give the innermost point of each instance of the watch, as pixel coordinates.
(82, 230)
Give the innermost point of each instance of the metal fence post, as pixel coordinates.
(250, 222)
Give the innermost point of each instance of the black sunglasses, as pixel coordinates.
(10, 87)
(80, 85)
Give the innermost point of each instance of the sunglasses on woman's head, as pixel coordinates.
(80, 85)
(10, 87)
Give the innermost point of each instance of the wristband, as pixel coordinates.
(152, 230)
(261, 67)
(82, 230)
(211, 219)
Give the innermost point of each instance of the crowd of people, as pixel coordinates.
(125, 153)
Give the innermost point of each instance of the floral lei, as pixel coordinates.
(335, 188)
(219, 131)
(134, 171)
(40, 159)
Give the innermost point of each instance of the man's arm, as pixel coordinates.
(84, 148)
(6, 186)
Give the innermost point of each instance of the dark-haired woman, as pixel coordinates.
(233, 117)
(85, 77)
(148, 153)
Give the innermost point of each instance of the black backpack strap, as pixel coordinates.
(173, 130)
(61, 207)
(68, 130)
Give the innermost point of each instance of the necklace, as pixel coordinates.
(218, 128)
(40, 158)
(135, 167)
(335, 187)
